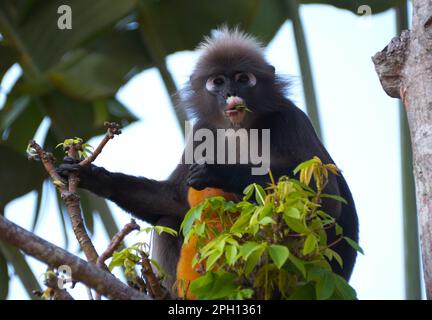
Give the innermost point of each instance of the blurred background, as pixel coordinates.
(123, 60)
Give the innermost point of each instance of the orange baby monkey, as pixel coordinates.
(186, 273)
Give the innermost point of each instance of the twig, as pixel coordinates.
(69, 193)
(335, 242)
(102, 281)
(115, 243)
(112, 130)
(71, 200)
(155, 290)
(52, 282)
(48, 160)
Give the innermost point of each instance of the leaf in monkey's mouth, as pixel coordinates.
(234, 106)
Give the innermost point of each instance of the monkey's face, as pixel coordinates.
(229, 92)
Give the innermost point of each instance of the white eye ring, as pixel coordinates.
(211, 85)
(252, 79)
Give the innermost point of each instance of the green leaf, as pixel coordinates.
(354, 245)
(248, 191)
(190, 217)
(214, 285)
(300, 264)
(304, 165)
(242, 222)
(266, 220)
(259, 194)
(279, 254)
(125, 258)
(338, 229)
(292, 213)
(325, 286)
(254, 258)
(201, 286)
(296, 225)
(224, 286)
(89, 74)
(342, 289)
(244, 294)
(231, 254)
(212, 259)
(247, 248)
(331, 254)
(38, 30)
(304, 292)
(334, 197)
(310, 244)
(160, 229)
(156, 264)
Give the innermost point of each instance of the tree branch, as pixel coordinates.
(152, 282)
(404, 68)
(103, 282)
(115, 243)
(52, 282)
(71, 199)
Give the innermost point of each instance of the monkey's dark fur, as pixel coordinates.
(293, 140)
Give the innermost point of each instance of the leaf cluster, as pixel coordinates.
(271, 245)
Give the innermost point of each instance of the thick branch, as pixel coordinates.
(92, 276)
(389, 63)
(404, 69)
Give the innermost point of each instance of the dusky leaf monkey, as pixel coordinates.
(231, 71)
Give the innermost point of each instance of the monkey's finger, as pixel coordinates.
(70, 160)
(197, 168)
(197, 184)
(65, 169)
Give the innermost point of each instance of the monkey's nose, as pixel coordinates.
(231, 94)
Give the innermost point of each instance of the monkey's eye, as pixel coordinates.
(245, 78)
(214, 82)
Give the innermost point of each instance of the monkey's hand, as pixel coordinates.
(85, 173)
(203, 176)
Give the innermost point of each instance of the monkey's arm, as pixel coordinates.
(145, 198)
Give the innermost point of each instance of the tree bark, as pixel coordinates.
(405, 71)
(103, 282)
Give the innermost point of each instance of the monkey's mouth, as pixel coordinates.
(235, 109)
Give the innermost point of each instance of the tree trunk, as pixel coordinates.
(405, 71)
